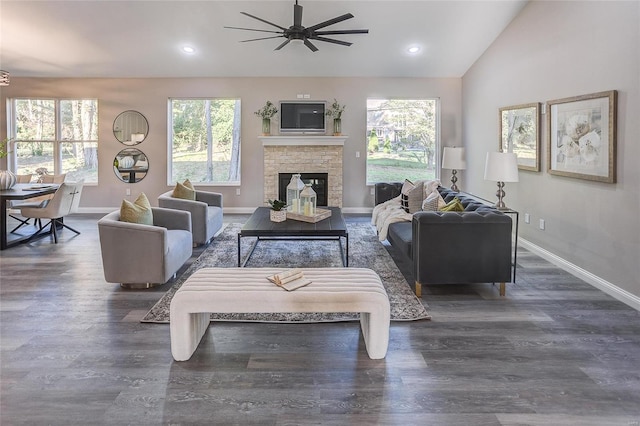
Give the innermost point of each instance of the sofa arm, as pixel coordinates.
(386, 191)
(171, 219)
(461, 247)
(210, 198)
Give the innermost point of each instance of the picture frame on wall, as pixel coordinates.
(582, 136)
(520, 134)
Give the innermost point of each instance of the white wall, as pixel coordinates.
(554, 50)
(149, 96)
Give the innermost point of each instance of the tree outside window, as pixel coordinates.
(402, 139)
(205, 141)
(59, 136)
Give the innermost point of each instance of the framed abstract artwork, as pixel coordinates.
(582, 136)
(520, 134)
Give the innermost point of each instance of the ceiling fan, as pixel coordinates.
(304, 34)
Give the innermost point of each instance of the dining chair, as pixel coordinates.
(65, 201)
(14, 204)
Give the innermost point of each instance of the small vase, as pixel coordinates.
(7, 179)
(337, 126)
(266, 126)
(278, 215)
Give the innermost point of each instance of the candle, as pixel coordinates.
(307, 208)
(295, 207)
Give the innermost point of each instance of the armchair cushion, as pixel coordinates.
(184, 190)
(137, 212)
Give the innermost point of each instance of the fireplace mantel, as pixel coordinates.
(298, 140)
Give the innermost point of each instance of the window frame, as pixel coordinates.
(57, 141)
(170, 180)
(438, 141)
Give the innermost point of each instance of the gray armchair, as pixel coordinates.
(206, 213)
(140, 256)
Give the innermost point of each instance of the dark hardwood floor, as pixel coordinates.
(555, 351)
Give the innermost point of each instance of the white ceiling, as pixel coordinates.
(143, 38)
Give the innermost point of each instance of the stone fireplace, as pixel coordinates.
(303, 154)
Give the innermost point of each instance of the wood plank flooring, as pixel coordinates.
(555, 351)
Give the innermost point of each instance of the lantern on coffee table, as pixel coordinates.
(294, 189)
(308, 200)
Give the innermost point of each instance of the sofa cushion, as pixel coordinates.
(184, 190)
(137, 212)
(407, 187)
(400, 237)
(453, 206)
(433, 202)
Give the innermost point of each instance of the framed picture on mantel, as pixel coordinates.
(520, 134)
(582, 137)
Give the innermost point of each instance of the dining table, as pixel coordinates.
(19, 192)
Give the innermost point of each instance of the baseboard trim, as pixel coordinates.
(592, 279)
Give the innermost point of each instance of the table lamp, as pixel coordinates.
(453, 159)
(501, 167)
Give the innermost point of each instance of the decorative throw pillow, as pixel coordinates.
(414, 197)
(433, 202)
(184, 190)
(404, 194)
(137, 212)
(430, 186)
(453, 206)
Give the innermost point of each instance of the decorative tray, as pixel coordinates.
(320, 215)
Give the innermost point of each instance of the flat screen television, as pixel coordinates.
(302, 117)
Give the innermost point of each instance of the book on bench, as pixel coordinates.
(290, 279)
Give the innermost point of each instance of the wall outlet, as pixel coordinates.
(128, 191)
(357, 154)
(300, 96)
(541, 224)
(373, 191)
(527, 218)
(237, 191)
(307, 96)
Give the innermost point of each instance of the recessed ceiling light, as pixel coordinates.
(188, 49)
(413, 49)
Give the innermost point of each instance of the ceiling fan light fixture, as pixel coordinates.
(413, 49)
(189, 49)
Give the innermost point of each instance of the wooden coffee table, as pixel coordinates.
(259, 225)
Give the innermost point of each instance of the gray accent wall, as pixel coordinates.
(554, 50)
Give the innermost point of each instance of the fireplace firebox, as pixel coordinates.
(318, 182)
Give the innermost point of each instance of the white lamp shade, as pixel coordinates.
(501, 167)
(453, 158)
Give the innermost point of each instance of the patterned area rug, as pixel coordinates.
(365, 251)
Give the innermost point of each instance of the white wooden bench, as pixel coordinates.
(247, 290)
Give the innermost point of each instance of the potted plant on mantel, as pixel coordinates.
(277, 214)
(267, 112)
(335, 111)
(7, 179)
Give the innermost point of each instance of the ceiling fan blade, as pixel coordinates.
(262, 20)
(297, 15)
(284, 43)
(330, 40)
(338, 32)
(330, 22)
(253, 29)
(310, 45)
(262, 38)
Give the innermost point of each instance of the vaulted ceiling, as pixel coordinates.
(145, 38)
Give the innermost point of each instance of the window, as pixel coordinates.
(204, 143)
(59, 136)
(402, 139)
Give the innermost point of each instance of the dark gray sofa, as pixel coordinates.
(473, 246)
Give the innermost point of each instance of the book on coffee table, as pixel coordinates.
(290, 279)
